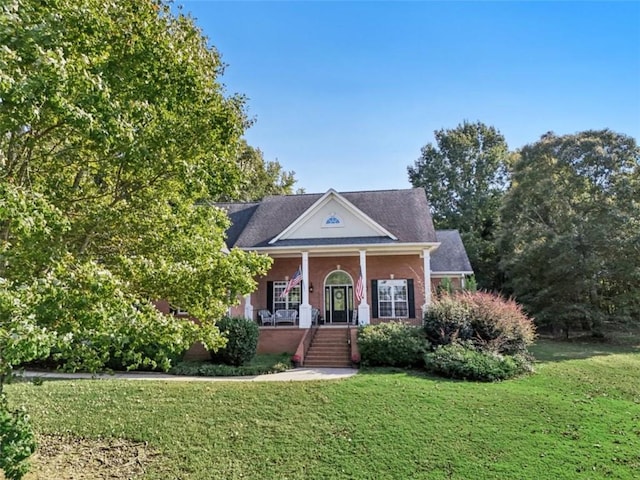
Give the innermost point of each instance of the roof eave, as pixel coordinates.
(451, 273)
(372, 248)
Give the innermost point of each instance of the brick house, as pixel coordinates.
(362, 257)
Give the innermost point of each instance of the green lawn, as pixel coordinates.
(578, 417)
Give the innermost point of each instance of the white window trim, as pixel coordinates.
(278, 287)
(338, 224)
(393, 301)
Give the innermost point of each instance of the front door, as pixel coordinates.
(338, 297)
(338, 304)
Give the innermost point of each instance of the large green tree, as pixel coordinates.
(571, 229)
(465, 175)
(113, 128)
(260, 178)
(113, 125)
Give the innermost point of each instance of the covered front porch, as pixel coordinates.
(335, 288)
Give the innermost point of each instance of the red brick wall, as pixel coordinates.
(455, 281)
(271, 340)
(162, 305)
(279, 339)
(197, 352)
(238, 310)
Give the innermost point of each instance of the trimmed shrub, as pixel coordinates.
(489, 321)
(260, 365)
(392, 344)
(242, 341)
(463, 361)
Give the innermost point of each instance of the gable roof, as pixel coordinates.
(450, 256)
(326, 198)
(403, 213)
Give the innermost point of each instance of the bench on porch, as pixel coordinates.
(285, 316)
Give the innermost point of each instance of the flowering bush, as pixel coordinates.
(488, 321)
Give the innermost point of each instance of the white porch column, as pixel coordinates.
(426, 257)
(305, 307)
(363, 307)
(248, 308)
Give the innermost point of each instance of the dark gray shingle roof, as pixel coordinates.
(450, 256)
(239, 214)
(404, 213)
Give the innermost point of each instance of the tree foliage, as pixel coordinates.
(571, 229)
(260, 178)
(113, 126)
(465, 176)
(17, 441)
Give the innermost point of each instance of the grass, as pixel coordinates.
(578, 417)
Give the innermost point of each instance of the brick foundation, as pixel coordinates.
(279, 339)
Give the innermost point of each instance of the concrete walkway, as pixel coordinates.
(293, 375)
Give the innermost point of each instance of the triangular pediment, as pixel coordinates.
(332, 216)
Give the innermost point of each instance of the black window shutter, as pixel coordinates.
(270, 296)
(411, 298)
(374, 298)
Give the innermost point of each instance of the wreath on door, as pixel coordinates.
(338, 295)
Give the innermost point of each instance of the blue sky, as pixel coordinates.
(346, 93)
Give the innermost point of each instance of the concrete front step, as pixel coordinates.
(329, 349)
(332, 364)
(343, 345)
(336, 340)
(341, 354)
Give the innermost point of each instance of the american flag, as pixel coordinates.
(295, 280)
(359, 288)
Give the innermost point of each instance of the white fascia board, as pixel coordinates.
(450, 274)
(371, 249)
(347, 204)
